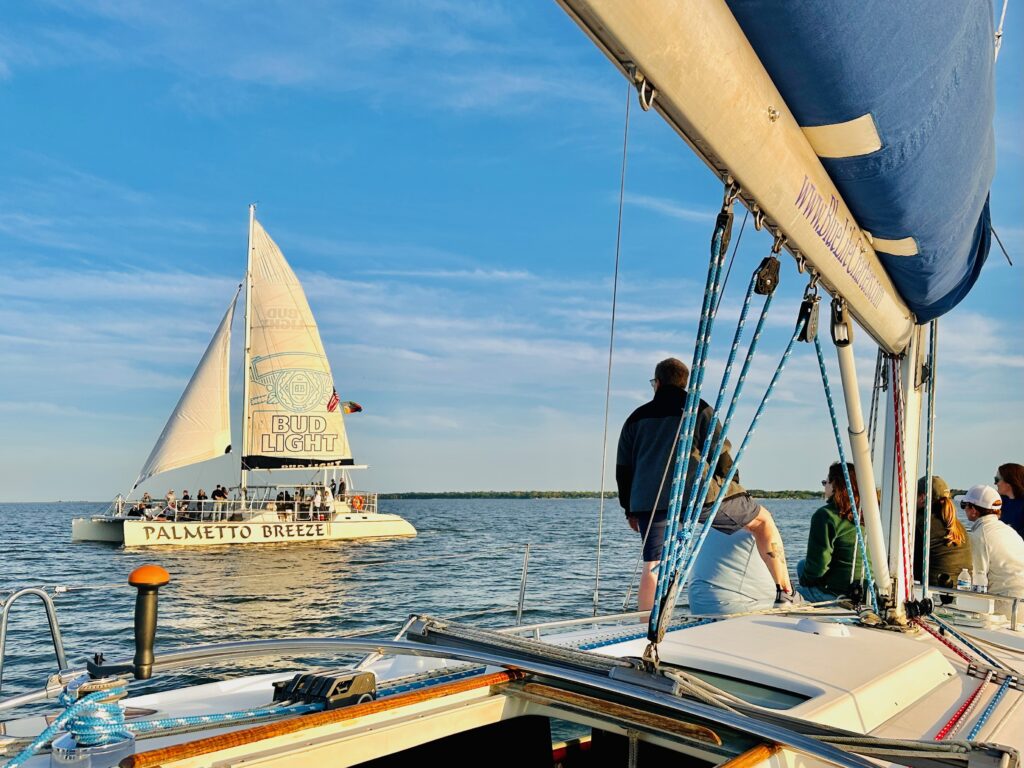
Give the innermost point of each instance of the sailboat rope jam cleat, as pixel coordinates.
(998, 675)
(331, 691)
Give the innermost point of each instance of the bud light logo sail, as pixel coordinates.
(290, 388)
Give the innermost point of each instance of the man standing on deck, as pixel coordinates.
(644, 469)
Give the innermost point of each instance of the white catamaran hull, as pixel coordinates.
(162, 533)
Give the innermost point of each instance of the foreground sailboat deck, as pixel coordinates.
(774, 689)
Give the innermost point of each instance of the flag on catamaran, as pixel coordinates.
(332, 404)
(351, 407)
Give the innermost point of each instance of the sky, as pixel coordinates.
(444, 178)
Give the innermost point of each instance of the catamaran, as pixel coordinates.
(860, 135)
(292, 420)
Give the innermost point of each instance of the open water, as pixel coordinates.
(467, 561)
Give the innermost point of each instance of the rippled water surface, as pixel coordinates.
(467, 558)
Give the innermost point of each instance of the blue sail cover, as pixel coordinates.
(924, 72)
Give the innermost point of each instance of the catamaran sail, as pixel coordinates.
(292, 414)
(199, 428)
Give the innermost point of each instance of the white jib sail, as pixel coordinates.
(200, 426)
(294, 418)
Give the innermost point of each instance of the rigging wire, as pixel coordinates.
(929, 456)
(1001, 246)
(611, 348)
(732, 259)
(877, 385)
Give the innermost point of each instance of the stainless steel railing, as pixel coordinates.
(207, 510)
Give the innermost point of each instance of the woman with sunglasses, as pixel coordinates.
(833, 561)
(949, 549)
(997, 552)
(1010, 484)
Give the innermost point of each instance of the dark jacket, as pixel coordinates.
(945, 560)
(646, 445)
(831, 552)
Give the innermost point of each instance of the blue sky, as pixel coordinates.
(443, 176)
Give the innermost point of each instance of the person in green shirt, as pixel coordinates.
(833, 561)
(949, 549)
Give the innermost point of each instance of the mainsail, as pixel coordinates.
(200, 426)
(292, 413)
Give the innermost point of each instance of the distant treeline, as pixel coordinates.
(566, 494)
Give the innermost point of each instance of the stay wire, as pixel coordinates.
(611, 348)
(732, 259)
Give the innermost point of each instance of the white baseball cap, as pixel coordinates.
(981, 496)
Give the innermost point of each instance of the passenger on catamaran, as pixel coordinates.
(170, 500)
(1010, 484)
(997, 552)
(643, 473)
(949, 549)
(186, 501)
(201, 500)
(832, 553)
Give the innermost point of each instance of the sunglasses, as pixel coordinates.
(998, 479)
(965, 504)
(653, 382)
(825, 482)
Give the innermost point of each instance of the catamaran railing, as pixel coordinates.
(226, 510)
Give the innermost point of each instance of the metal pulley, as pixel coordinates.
(841, 327)
(809, 313)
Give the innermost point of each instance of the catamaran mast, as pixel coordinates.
(243, 480)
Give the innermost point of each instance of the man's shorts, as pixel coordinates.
(655, 539)
(735, 514)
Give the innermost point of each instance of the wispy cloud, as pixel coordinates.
(670, 208)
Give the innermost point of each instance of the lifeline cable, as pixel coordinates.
(611, 347)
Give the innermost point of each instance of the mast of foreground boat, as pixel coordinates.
(243, 480)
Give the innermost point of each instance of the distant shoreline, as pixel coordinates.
(755, 492)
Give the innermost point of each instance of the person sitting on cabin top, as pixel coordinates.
(728, 576)
(1010, 484)
(997, 552)
(833, 559)
(949, 549)
(643, 473)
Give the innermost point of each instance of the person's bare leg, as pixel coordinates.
(648, 585)
(769, 547)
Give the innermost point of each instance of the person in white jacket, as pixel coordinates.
(997, 551)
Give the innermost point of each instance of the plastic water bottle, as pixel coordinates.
(981, 583)
(963, 581)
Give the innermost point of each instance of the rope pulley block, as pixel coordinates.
(809, 313)
(842, 328)
(767, 276)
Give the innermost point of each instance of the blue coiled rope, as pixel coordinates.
(862, 547)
